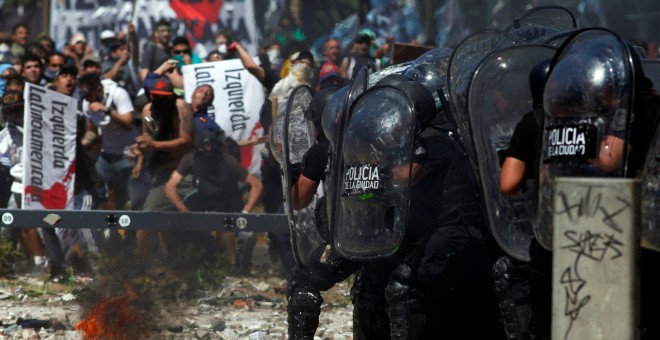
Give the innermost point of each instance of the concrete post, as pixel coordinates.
(595, 259)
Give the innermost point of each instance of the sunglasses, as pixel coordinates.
(179, 52)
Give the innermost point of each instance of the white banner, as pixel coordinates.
(49, 146)
(238, 99)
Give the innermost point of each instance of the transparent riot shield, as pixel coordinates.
(498, 98)
(392, 69)
(587, 102)
(540, 21)
(650, 176)
(539, 24)
(465, 59)
(374, 182)
(290, 139)
(430, 70)
(358, 85)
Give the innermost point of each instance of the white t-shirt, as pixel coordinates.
(115, 139)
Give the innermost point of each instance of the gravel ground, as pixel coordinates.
(252, 307)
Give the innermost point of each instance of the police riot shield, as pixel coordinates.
(374, 174)
(537, 23)
(650, 176)
(587, 102)
(498, 98)
(392, 69)
(358, 85)
(464, 60)
(290, 139)
(430, 70)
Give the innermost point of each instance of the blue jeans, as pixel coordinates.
(117, 173)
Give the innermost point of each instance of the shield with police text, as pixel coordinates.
(374, 168)
(358, 85)
(462, 64)
(587, 102)
(499, 102)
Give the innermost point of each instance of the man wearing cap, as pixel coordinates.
(329, 76)
(109, 112)
(359, 54)
(163, 142)
(302, 66)
(90, 65)
(76, 49)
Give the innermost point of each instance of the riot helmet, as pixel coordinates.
(537, 78)
(430, 70)
(332, 112)
(314, 114)
(423, 102)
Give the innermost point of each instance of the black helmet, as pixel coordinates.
(333, 108)
(314, 113)
(422, 99)
(537, 79)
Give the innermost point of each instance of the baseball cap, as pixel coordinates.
(78, 37)
(305, 54)
(108, 34)
(329, 70)
(159, 86)
(90, 59)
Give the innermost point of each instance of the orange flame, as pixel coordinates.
(110, 318)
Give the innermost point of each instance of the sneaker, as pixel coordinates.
(39, 270)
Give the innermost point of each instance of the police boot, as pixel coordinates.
(303, 308)
(512, 291)
(407, 320)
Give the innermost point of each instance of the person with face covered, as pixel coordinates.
(302, 68)
(216, 172)
(168, 130)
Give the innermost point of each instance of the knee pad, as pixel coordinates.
(304, 308)
(511, 287)
(407, 319)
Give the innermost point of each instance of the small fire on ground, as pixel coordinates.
(113, 318)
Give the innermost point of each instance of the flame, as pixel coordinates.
(111, 318)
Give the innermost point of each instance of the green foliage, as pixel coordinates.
(8, 255)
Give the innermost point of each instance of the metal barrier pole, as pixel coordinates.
(141, 220)
(595, 274)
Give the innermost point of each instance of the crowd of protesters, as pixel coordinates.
(140, 146)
